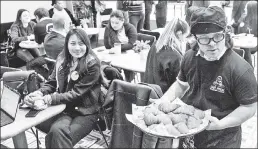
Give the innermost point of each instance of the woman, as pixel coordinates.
(21, 30)
(163, 65)
(119, 32)
(75, 81)
(249, 26)
(165, 55)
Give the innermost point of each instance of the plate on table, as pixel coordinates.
(137, 118)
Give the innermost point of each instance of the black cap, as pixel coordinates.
(208, 20)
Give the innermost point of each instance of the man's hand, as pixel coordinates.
(214, 124)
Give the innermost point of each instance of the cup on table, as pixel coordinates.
(116, 49)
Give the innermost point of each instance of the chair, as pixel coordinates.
(4, 69)
(124, 94)
(148, 32)
(105, 14)
(146, 37)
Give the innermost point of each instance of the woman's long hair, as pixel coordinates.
(251, 17)
(81, 34)
(169, 36)
(18, 17)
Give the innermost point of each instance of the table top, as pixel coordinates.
(128, 60)
(29, 44)
(243, 41)
(23, 123)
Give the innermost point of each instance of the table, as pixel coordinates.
(29, 44)
(128, 60)
(16, 130)
(243, 41)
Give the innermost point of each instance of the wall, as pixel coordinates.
(9, 9)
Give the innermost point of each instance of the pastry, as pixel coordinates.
(167, 107)
(182, 128)
(163, 118)
(152, 110)
(172, 130)
(185, 109)
(150, 119)
(199, 114)
(193, 122)
(177, 118)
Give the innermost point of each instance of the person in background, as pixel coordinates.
(148, 10)
(165, 55)
(55, 41)
(122, 5)
(198, 3)
(44, 24)
(58, 7)
(22, 30)
(238, 14)
(76, 82)
(136, 14)
(161, 13)
(249, 26)
(214, 77)
(117, 31)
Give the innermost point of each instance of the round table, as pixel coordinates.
(243, 41)
(29, 44)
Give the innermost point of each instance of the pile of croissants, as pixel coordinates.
(173, 119)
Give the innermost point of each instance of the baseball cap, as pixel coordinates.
(208, 20)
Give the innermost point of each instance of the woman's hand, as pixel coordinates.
(31, 37)
(40, 105)
(214, 124)
(32, 97)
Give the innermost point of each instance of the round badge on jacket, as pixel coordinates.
(74, 75)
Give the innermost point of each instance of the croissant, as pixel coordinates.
(153, 126)
(199, 114)
(192, 122)
(163, 118)
(177, 118)
(161, 129)
(167, 107)
(185, 109)
(182, 128)
(172, 130)
(150, 119)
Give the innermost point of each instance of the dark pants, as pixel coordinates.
(137, 19)
(64, 130)
(147, 20)
(27, 54)
(3, 59)
(161, 21)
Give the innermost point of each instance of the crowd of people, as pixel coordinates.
(193, 59)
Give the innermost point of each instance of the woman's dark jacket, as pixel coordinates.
(74, 21)
(162, 67)
(83, 92)
(110, 37)
(19, 33)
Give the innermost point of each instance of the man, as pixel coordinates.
(148, 9)
(58, 7)
(161, 13)
(122, 5)
(136, 14)
(43, 26)
(213, 76)
(238, 14)
(54, 41)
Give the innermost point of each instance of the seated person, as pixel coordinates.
(54, 41)
(119, 32)
(75, 81)
(249, 26)
(165, 55)
(44, 25)
(58, 7)
(21, 30)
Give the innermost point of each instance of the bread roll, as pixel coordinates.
(167, 107)
(163, 118)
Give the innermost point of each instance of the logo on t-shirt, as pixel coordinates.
(49, 27)
(217, 85)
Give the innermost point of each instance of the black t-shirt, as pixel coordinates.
(221, 86)
(42, 29)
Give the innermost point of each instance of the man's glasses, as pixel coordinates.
(217, 38)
